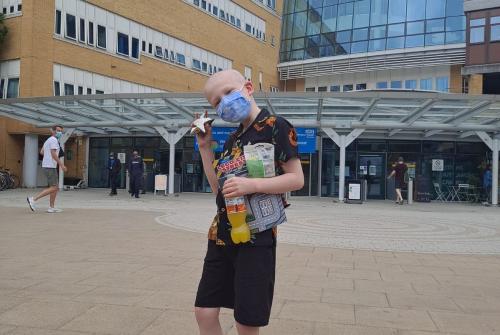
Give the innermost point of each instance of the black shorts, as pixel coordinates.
(240, 278)
(400, 184)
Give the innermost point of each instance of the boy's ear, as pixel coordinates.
(249, 87)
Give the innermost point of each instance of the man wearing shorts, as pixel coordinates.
(241, 276)
(50, 152)
(399, 171)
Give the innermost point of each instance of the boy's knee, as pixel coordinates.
(206, 316)
(247, 330)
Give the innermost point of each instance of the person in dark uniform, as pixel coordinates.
(135, 170)
(114, 167)
(399, 171)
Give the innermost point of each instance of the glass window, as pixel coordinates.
(310, 89)
(326, 51)
(414, 41)
(58, 22)
(82, 30)
(343, 36)
(360, 87)
(300, 5)
(158, 51)
(411, 84)
(70, 26)
(395, 43)
(441, 147)
(196, 64)
(150, 48)
(361, 13)
(415, 10)
(377, 32)
(298, 43)
(122, 44)
(315, 3)
(335, 88)
(12, 9)
(348, 88)
(376, 45)
(181, 59)
(477, 22)
(57, 89)
(477, 35)
(196, 2)
(314, 24)
(426, 84)
(99, 92)
(360, 34)
(204, 4)
(215, 10)
(495, 28)
(2, 81)
(101, 36)
(455, 23)
(434, 26)
(455, 37)
(358, 47)
(222, 15)
(80, 90)
(19, 7)
(322, 89)
(12, 88)
(381, 85)
(204, 67)
(413, 28)
(396, 84)
(435, 8)
(329, 19)
(404, 146)
(378, 12)
(345, 14)
(90, 39)
(89, 90)
(238, 23)
(299, 24)
(135, 48)
(69, 89)
(397, 11)
(471, 148)
(442, 84)
(396, 30)
(454, 7)
(434, 39)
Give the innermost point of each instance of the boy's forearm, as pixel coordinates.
(207, 157)
(280, 184)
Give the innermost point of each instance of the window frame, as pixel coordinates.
(57, 88)
(123, 36)
(9, 80)
(2, 83)
(67, 86)
(82, 32)
(180, 59)
(135, 42)
(195, 62)
(90, 34)
(158, 52)
(66, 27)
(58, 22)
(478, 24)
(80, 90)
(495, 25)
(98, 44)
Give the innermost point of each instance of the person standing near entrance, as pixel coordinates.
(399, 171)
(51, 152)
(135, 170)
(114, 167)
(487, 183)
(241, 276)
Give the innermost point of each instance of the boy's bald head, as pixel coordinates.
(221, 84)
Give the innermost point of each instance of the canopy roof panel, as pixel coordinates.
(381, 113)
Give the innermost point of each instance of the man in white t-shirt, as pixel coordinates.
(50, 152)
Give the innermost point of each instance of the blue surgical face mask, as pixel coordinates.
(234, 107)
(58, 134)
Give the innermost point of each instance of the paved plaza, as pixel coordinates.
(125, 266)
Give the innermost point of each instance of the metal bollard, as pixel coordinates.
(410, 191)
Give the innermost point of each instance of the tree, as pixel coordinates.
(3, 28)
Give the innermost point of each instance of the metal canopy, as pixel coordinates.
(381, 114)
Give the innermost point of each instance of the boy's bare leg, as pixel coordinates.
(399, 196)
(246, 330)
(53, 198)
(208, 320)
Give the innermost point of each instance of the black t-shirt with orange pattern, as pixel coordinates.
(266, 128)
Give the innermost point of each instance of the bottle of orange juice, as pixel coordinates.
(236, 214)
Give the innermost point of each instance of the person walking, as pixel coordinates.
(135, 170)
(51, 152)
(487, 183)
(399, 171)
(114, 167)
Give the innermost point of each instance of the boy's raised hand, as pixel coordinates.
(204, 138)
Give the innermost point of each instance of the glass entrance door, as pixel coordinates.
(372, 168)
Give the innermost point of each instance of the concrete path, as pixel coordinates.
(106, 266)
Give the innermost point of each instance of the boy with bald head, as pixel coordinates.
(241, 276)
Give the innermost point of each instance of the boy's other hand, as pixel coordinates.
(238, 186)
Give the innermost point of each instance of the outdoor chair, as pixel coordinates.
(463, 192)
(440, 195)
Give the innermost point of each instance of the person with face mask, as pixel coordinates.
(399, 171)
(114, 167)
(241, 276)
(135, 170)
(51, 152)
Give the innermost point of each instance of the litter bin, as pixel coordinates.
(355, 191)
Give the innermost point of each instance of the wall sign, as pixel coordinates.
(437, 165)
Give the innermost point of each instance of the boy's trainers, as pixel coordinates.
(54, 210)
(31, 203)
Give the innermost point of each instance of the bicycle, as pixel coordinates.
(8, 180)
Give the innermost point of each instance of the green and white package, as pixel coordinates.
(260, 160)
